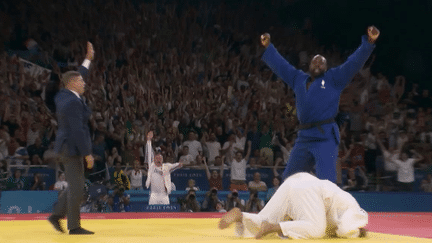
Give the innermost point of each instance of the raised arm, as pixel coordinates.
(149, 152)
(248, 151)
(418, 158)
(281, 67)
(84, 68)
(344, 73)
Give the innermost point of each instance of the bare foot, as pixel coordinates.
(267, 228)
(234, 215)
(363, 233)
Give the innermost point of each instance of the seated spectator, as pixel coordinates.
(119, 200)
(36, 160)
(426, 184)
(191, 185)
(18, 156)
(257, 184)
(220, 207)
(49, 156)
(271, 191)
(254, 204)
(38, 184)
(186, 159)
(17, 182)
(238, 170)
(233, 201)
(36, 149)
(211, 200)
(61, 184)
(189, 203)
(215, 177)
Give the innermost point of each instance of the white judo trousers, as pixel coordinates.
(159, 199)
(306, 207)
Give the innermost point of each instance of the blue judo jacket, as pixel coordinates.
(321, 101)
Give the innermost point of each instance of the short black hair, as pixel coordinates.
(69, 75)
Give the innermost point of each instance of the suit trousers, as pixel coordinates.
(69, 200)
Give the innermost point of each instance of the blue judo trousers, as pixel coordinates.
(318, 103)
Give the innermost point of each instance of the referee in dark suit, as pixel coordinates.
(72, 144)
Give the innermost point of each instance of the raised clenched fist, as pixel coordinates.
(373, 33)
(265, 39)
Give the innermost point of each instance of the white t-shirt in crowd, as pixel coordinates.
(388, 164)
(60, 185)
(186, 159)
(213, 149)
(136, 178)
(157, 183)
(194, 147)
(405, 170)
(238, 170)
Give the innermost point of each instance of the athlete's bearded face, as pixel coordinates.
(318, 66)
(158, 160)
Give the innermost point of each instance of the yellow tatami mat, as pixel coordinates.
(152, 230)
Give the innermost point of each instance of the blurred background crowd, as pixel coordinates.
(191, 72)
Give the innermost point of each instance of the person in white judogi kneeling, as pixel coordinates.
(159, 175)
(303, 207)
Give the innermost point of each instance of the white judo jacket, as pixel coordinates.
(166, 168)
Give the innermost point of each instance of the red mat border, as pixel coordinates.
(406, 224)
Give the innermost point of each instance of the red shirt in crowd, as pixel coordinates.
(357, 155)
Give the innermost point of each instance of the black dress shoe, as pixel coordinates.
(363, 233)
(80, 231)
(55, 221)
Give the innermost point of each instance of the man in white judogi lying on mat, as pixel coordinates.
(304, 207)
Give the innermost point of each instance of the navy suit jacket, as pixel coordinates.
(73, 116)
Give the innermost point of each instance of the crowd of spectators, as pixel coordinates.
(192, 74)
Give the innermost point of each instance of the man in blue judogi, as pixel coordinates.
(317, 100)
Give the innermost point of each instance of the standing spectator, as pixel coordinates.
(17, 182)
(33, 134)
(121, 181)
(426, 184)
(257, 184)
(254, 204)
(136, 176)
(38, 184)
(271, 191)
(238, 170)
(159, 175)
(114, 157)
(99, 147)
(405, 166)
(186, 158)
(213, 147)
(194, 145)
(61, 184)
(215, 177)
